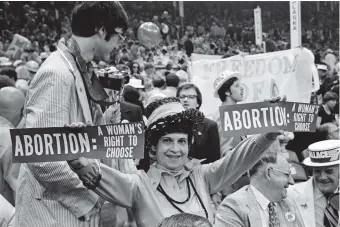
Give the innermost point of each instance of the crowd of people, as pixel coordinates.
(191, 174)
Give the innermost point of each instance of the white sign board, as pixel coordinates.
(197, 57)
(264, 76)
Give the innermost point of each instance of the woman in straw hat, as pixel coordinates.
(175, 183)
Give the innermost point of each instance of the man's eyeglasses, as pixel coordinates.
(288, 174)
(188, 96)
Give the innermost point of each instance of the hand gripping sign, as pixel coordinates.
(117, 141)
(262, 117)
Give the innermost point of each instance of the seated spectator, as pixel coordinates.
(314, 197)
(326, 114)
(183, 75)
(135, 70)
(263, 201)
(325, 81)
(10, 72)
(43, 56)
(131, 95)
(32, 67)
(138, 85)
(23, 73)
(22, 85)
(157, 91)
(330, 131)
(185, 220)
(148, 75)
(5, 81)
(171, 82)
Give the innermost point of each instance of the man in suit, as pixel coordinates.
(263, 202)
(313, 198)
(206, 142)
(65, 91)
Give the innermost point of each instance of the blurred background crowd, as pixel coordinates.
(209, 28)
(221, 28)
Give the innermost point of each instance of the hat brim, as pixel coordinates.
(183, 122)
(308, 162)
(138, 86)
(217, 88)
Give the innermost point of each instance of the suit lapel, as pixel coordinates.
(254, 214)
(283, 210)
(305, 203)
(81, 93)
(80, 89)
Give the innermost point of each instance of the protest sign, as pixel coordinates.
(198, 57)
(295, 24)
(17, 46)
(258, 26)
(262, 117)
(288, 72)
(117, 141)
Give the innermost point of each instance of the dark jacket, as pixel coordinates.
(130, 112)
(207, 145)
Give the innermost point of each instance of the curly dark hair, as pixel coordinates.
(154, 105)
(189, 122)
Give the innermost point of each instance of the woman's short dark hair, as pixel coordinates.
(226, 87)
(172, 80)
(189, 86)
(88, 17)
(5, 81)
(9, 71)
(330, 96)
(158, 82)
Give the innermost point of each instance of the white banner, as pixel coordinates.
(198, 57)
(295, 24)
(258, 26)
(264, 76)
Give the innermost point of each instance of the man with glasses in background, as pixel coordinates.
(318, 198)
(206, 142)
(264, 202)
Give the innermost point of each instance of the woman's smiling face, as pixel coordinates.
(172, 151)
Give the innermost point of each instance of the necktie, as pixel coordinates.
(331, 218)
(92, 85)
(273, 221)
